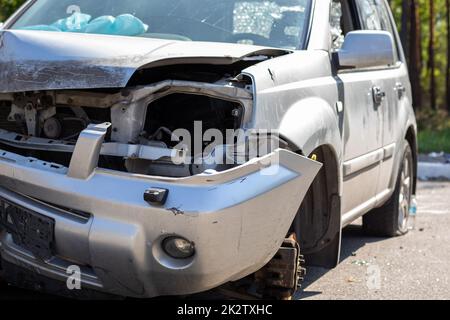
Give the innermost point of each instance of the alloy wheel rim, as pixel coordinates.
(405, 195)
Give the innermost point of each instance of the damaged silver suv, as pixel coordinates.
(169, 147)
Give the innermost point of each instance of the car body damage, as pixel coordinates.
(31, 61)
(124, 233)
(73, 106)
(52, 82)
(217, 148)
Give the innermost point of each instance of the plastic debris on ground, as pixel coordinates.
(353, 280)
(360, 262)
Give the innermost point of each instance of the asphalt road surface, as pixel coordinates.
(416, 266)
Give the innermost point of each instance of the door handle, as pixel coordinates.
(401, 90)
(378, 95)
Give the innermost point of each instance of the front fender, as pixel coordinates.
(312, 123)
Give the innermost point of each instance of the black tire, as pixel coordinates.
(317, 224)
(391, 219)
(313, 210)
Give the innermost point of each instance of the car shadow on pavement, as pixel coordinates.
(9, 293)
(353, 239)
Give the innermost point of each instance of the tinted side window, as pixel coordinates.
(374, 15)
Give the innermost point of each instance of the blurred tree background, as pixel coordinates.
(424, 26)
(424, 30)
(7, 7)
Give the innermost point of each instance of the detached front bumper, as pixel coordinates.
(237, 219)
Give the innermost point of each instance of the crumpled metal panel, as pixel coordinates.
(38, 60)
(125, 232)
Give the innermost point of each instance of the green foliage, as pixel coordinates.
(441, 46)
(433, 120)
(434, 141)
(434, 126)
(7, 7)
(434, 131)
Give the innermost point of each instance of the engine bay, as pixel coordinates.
(144, 121)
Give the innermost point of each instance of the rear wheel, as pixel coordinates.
(391, 219)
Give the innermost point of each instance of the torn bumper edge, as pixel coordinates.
(237, 219)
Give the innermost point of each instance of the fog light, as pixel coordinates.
(178, 248)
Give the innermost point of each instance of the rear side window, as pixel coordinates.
(374, 15)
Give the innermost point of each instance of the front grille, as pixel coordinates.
(80, 216)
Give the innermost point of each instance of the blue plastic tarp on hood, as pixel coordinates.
(123, 25)
(77, 22)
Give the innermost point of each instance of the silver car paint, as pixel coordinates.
(31, 61)
(231, 217)
(300, 95)
(312, 107)
(377, 48)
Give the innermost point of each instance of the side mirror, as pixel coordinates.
(366, 49)
(1, 25)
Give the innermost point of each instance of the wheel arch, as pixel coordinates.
(312, 127)
(312, 124)
(325, 235)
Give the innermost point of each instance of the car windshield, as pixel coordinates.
(275, 23)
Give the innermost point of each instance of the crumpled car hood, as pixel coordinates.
(38, 60)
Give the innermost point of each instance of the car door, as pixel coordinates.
(367, 94)
(397, 85)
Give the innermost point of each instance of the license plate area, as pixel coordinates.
(30, 230)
